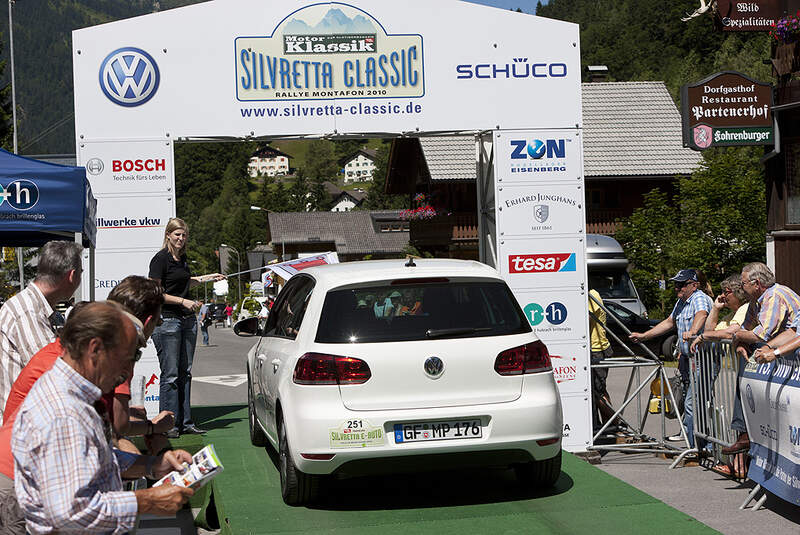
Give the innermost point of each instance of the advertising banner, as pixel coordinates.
(577, 431)
(111, 266)
(541, 210)
(135, 222)
(555, 315)
(149, 368)
(769, 393)
(141, 166)
(532, 157)
(286, 270)
(727, 108)
(542, 263)
(569, 368)
(254, 68)
(541, 253)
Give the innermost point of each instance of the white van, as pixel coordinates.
(608, 273)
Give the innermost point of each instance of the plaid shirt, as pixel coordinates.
(683, 313)
(24, 330)
(777, 309)
(67, 477)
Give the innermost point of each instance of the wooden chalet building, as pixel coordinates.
(632, 144)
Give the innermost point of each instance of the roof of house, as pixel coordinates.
(369, 153)
(450, 157)
(357, 196)
(633, 128)
(269, 152)
(355, 233)
(629, 129)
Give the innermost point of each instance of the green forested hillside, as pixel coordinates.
(646, 40)
(43, 63)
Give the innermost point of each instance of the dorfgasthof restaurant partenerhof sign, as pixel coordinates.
(727, 108)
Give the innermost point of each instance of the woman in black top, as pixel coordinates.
(175, 338)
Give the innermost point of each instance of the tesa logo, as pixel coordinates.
(541, 263)
(138, 165)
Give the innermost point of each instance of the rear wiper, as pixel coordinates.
(438, 333)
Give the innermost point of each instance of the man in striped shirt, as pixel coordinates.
(773, 309)
(26, 319)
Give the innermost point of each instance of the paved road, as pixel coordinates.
(219, 380)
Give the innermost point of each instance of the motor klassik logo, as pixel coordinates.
(326, 51)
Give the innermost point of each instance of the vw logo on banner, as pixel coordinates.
(129, 76)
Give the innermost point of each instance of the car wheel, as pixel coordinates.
(540, 473)
(668, 347)
(297, 488)
(257, 436)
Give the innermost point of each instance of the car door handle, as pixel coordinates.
(275, 364)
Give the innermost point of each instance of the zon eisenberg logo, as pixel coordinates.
(129, 76)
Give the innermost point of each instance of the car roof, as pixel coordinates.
(333, 275)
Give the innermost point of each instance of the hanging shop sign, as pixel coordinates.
(751, 16)
(727, 108)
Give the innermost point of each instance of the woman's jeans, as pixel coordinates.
(175, 339)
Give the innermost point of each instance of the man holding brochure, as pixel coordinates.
(67, 475)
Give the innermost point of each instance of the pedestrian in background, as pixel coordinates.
(176, 337)
(228, 313)
(205, 322)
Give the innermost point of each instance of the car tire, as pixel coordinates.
(257, 436)
(297, 488)
(540, 474)
(668, 347)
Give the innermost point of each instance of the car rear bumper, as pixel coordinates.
(510, 431)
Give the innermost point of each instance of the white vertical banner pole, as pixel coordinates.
(541, 253)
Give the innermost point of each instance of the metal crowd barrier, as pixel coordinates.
(639, 441)
(714, 372)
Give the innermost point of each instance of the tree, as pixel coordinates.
(377, 198)
(715, 223)
(321, 161)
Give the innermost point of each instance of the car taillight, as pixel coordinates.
(321, 369)
(530, 358)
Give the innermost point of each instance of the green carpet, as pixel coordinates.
(585, 499)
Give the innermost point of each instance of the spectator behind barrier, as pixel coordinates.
(773, 308)
(688, 316)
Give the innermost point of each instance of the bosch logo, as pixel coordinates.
(541, 263)
(95, 166)
(20, 195)
(555, 313)
(537, 149)
(139, 165)
(129, 76)
(518, 68)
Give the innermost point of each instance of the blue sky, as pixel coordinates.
(528, 6)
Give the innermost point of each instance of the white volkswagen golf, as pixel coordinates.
(390, 366)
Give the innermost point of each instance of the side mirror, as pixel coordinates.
(247, 327)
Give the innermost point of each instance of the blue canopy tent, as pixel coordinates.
(40, 202)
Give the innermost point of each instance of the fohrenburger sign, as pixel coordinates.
(727, 108)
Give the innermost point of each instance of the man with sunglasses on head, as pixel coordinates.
(688, 316)
(774, 309)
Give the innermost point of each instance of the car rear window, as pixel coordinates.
(419, 311)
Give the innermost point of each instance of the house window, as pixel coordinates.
(793, 185)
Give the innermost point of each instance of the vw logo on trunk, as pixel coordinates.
(434, 367)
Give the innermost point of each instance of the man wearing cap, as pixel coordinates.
(689, 317)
